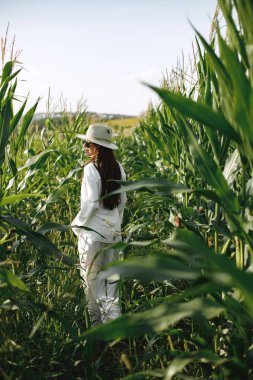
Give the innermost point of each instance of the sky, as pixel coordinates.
(100, 51)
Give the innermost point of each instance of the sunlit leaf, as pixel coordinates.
(11, 199)
(8, 278)
(154, 320)
(153, 268)
(197, 111)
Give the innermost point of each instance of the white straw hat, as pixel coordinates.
(99, 134)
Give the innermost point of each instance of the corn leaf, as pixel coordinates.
(39, 241)
(154, 320)
(9, 279)
(11, 199)
(197, 111)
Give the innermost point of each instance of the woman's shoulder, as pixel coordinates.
(90, 170)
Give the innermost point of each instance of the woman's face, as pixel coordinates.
(90, 150)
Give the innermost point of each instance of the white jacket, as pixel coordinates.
(92, 213)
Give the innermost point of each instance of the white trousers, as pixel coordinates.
(102, 295)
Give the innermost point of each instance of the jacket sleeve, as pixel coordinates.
(89, 197)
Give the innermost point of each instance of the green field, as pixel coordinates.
(187, 251)
(124, 126)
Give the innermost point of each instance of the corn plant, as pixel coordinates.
(202, 144)
(24, 200)
(186, 296)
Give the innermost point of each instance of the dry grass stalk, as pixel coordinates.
(14, 54)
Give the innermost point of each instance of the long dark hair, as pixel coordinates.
(109, 170)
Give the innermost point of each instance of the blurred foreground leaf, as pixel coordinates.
(154, 320)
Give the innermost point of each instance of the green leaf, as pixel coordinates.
(219, 268)
(232, 167)
(16, 118)
(41, 308)
(154, 320)
(46, 227)
(11, 199)
(11, 77)
(37, 325)
(233, 34)
(25, 123)
(154, 373)
(35, 162)
(152, 183)
(153, 268)
(38, 240)
(216, 62)
(178, 364)
(57, 193)
(8, 278)
(182, 360)
(197, 111)
(12, 166)
(239, 112)
(156, 141)
(210, 171)
(5, 129)
(7, 69)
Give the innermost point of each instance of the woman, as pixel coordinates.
(103, 218)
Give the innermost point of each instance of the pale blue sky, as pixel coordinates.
(101, 49)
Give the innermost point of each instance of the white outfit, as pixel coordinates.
(102, 296)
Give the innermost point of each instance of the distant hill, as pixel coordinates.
(99, 116)
(120, 123)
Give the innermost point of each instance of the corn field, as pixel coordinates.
(187, 249)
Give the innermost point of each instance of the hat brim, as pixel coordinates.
(106, 144)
